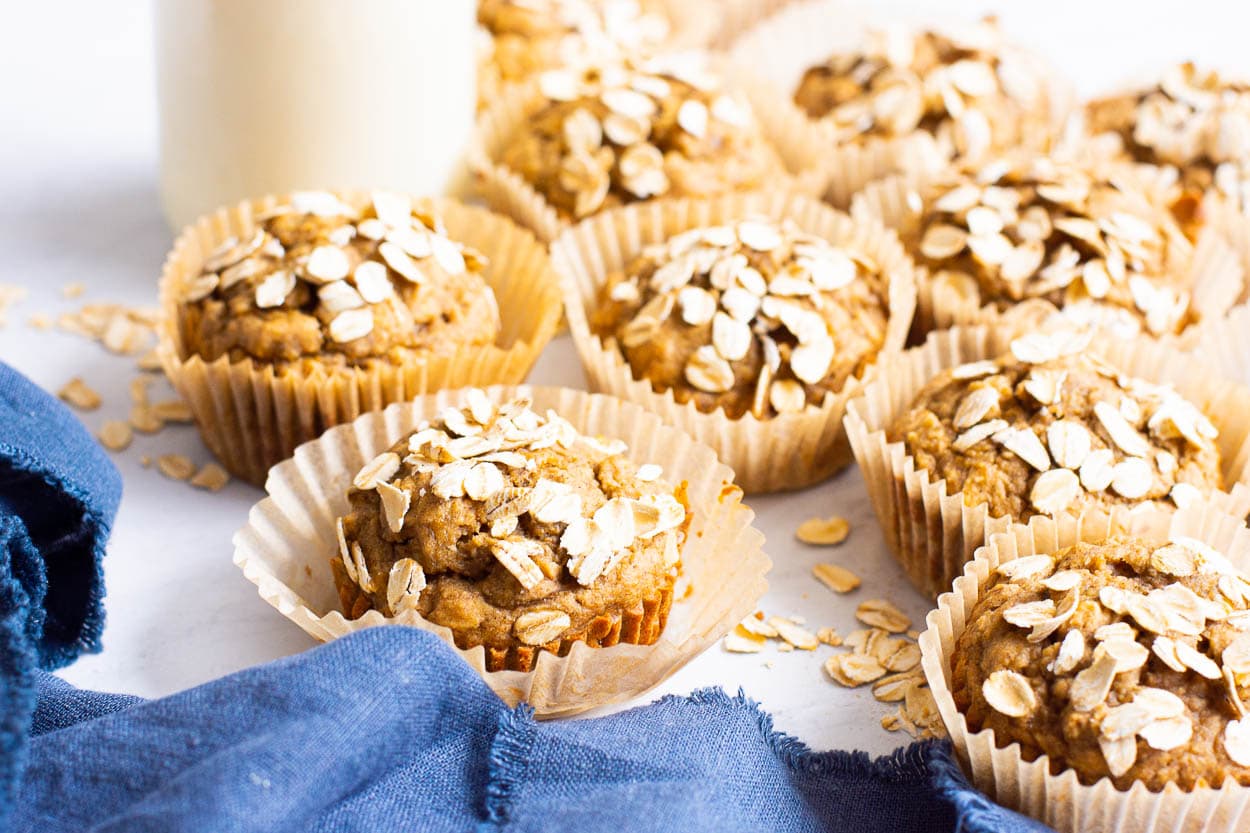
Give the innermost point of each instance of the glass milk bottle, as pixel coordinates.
(268, 96)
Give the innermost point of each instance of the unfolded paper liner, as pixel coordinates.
(1216, 270)
(289, 540)
(788, 451)
(775, 54)
(1030, 787)
(933, 533)
(507, 192)
(252, 415)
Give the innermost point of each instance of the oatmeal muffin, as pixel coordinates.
(752, 317)
(320, 281)
(1196, 121)
(623, 132)
(515, 532)
(1085, 238)
(1127, 659)
(966, 88)
(1050, 428)
(526, 37)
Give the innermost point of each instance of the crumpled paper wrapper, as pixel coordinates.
(286, 547)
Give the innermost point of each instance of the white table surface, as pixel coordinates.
(78, 203)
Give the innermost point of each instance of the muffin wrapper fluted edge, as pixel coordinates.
(251, 415)
(1060, 799)
(786, 452)
(933, 533)
(289, 541)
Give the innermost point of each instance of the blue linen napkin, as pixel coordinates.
(382, 730)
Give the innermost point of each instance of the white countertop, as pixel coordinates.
(78, 204)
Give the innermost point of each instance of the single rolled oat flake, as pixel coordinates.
(210, 477)
(836, 578)
(824, 531)
(115, 435)
(541, 627)
(175, 466)
(794, 634)
(79, 394)
(879, 613)
(1009, 693)
(852, 670)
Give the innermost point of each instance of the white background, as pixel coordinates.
(78, 203)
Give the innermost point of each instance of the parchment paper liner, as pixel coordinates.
(1061, 801)
(252, 416)
(933, 533)
(508, 193)
(775, 54)
(286, 546)
(1213, 263)
(789, 451)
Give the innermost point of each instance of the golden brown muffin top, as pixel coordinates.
(964, 86)
(1085, 237)
(492, 519)
(619, 133)
(752, 317)
(1126, 658)
(1051, 428)
(1196, 120)
(324, 280)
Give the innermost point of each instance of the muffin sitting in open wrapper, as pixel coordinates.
(747, 321)
(1084, 239)
(974, 429)
(566, 551)
(286, 316)
(1095, 677)
(516, 532)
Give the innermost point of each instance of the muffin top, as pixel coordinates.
(510, 527)
(629, 131)
(1197, 121)
(1049, 428)
(1125, 658)
(757, 316)
(966, 87)
(1084, 237)
(321, 280)
(528, 36)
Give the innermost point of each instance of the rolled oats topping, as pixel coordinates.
(753, 317)
(970, 90)
(522, 531)
(1052, 429)
(1084, 237)
(1195, 120)
(318, 278)
(618, 132)
(1143, 680)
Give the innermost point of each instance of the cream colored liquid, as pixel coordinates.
(264, 96)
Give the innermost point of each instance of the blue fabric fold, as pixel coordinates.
(58, 495)
(387, 729)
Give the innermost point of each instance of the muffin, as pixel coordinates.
(623, 132)
(1125, 659)
(964, 86)
(527, 37)
(1083, 238)
(322, 281)
(1050, 428)
(1195, 120)
(753, 316)
(284, 316)
(514, 531)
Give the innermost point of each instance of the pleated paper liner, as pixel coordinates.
(252, 415)
(695, 24)
(1226, 345)
(933, 533)
(788, 451)
(507, 192)
(1030, 787)
(289, 540)
(1217, 274)
(775, 54)
(1232, 225)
